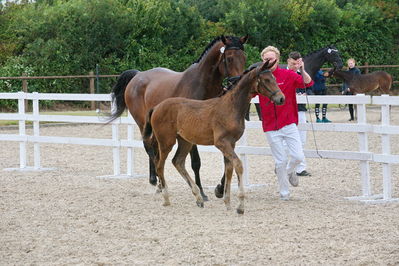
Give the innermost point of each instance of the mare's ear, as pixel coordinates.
(223, 39)
(244, 39)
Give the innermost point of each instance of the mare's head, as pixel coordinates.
(233, 58)
(266, 83)
(331, 55)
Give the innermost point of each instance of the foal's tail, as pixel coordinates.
(118, 94)
(147, 129)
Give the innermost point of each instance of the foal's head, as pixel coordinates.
(331, 55)
(232, 63)
(266, 83)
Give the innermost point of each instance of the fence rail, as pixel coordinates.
(92, 79)
(362, 128)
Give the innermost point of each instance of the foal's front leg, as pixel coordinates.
(179, 161)
(241, 193)
(228, 173)
(231, 161)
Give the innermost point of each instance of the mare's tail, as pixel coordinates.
(118, 94)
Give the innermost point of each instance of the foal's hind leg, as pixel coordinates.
(179, 161)
(196, 165)
(164, 150)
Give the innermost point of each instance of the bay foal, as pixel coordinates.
(218, 121)
(364, 83)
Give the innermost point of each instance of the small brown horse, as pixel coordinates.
(364, 83)
(217, 121)
(140, 91)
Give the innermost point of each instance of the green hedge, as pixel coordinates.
(60, 37)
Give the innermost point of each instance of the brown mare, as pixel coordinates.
(364, 83)
(140, 91)
(217, 121)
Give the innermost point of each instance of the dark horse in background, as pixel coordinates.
(224, 57)
(218, 121)
(313, 62)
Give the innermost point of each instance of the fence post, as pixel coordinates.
(25, 89)
(363, 147)
(22, 131)
(366, 69)
(245, 176)
(386, 150)
(93, 104)
(36, 130)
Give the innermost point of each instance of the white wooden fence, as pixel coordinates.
(364, 156)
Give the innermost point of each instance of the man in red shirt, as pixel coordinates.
(280, 121)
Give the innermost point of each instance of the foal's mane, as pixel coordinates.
(237, 79)
(235, 42)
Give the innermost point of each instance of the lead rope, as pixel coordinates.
(311, 120)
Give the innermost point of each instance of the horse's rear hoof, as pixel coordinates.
(219, 191)
(200, 204)
(153, 180)
(240, 211)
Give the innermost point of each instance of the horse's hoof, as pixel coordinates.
(219, 191)
(240, 211)
(153, 180)
(200, 204)
(204, 197)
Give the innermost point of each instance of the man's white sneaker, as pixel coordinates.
(293, 178)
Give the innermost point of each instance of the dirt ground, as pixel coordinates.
(74, 215)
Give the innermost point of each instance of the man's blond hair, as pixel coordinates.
(270, 49)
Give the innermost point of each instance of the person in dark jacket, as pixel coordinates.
(345, 89)
(319, 88)
(292, 64)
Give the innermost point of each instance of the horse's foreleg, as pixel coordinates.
(227, 186)
(241, 193)
(196, 165)
(220, 187)
(179, 161)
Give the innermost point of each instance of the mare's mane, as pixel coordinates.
(235, 42)
(328, 46)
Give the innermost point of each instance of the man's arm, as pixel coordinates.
(306, 78)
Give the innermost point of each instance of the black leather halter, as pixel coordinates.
(228, 81)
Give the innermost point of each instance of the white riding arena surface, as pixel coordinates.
(71, 216)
